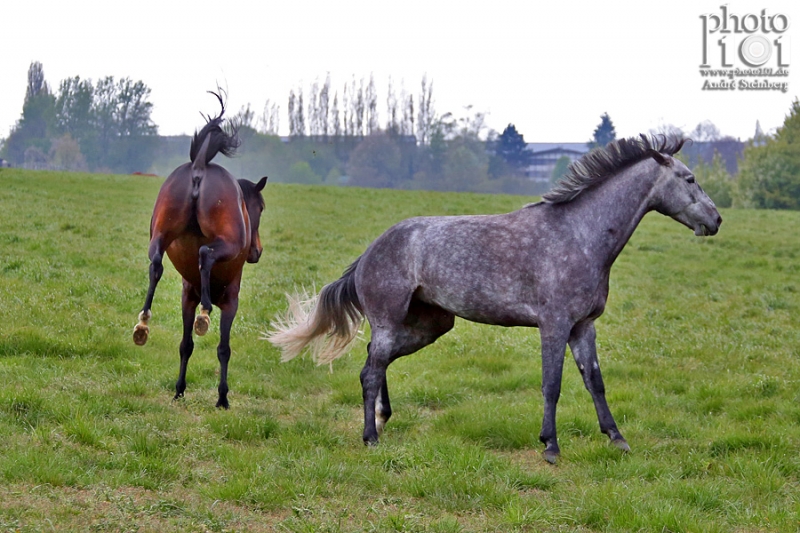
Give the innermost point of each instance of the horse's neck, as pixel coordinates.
(611, 212)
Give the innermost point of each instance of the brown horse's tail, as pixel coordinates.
(327, 323)
(210, 141)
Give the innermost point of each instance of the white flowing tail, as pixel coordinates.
(327, 324)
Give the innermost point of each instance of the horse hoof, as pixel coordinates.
(223, 404)
(551, 456)
(140, 333)
(201, 325)
(622, 445)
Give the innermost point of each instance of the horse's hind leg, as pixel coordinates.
(189, 301)
(422, 325)
(584, 350)
(218, 250)
(373, 384)
(156, 254)
(228, 308)
(383, 407)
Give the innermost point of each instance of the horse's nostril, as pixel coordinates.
(719, 220)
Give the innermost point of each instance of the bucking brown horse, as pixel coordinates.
(207, 223)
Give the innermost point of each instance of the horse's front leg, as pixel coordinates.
(582, 342)
(156, 254)
(216, 251)
(228, 307)
(189, 301)
(554, 345)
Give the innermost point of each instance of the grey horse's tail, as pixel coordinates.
(327, 323)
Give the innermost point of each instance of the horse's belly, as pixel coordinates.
(485, 311)
(184, 254)
(501, 304)
(500, 317)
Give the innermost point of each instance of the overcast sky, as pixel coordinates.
(551, 68)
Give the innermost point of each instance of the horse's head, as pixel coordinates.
(255, 206)
(681, 197)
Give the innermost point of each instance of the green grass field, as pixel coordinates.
(699, 346)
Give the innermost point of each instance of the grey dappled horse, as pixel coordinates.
(545, 265)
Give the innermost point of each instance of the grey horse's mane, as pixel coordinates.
(600, 163)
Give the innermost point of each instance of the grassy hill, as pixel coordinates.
(699, 347)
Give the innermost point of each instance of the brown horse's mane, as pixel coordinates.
(600, 163)
(221, 141)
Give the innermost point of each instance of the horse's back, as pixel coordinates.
(451, 262)
(221, 210)
(495, 269)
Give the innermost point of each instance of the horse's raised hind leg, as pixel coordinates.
(156, 254)
(423, 324)
(218, 250)
(373, 379)
(189, 303)
(202, 321)
(554, 346)
(582, 342)
(228, 309)
(383, 408)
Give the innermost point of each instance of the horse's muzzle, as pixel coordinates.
(254, 255)
(703, 230)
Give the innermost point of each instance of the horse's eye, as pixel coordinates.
(690, 179)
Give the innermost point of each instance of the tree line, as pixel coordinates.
(762, 172)
(338, 136)
(460, 156)
(102, 126)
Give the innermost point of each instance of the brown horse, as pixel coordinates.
(207, 223)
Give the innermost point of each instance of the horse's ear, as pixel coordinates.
(261, 184)
(660, 158)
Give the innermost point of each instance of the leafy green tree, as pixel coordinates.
(321, 156)
(604, 133)
(511, 146)
(36, 124)
(121, 116)
(375, 162)
(297, 120)
(65, 154)
(498, 167)
(465, 166)
(301, 172)
(437, 148)
(769, 175)
(74, 107)
(426, 114)
(73, 115)
(716, 181)
(106, 126)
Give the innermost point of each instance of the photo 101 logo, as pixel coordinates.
(748, 52)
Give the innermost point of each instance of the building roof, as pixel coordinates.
(579, 148)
